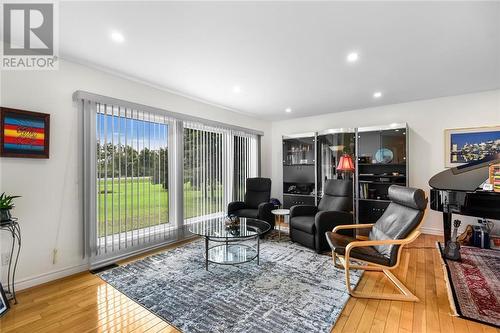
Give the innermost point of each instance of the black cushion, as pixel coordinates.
(252, 213)
(338, 243)
(304, 223)
(401, 217)
(337, 196)
(258, 191)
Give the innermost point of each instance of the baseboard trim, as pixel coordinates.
(431, 231)
(49, 276)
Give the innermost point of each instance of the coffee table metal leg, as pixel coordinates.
(258, 250)
(206, 253)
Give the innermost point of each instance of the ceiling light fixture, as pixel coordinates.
(352, 57)
(288, 110)
(377, 94)
(236, 89)
(117, 37)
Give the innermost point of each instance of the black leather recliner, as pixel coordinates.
(256, 204)
(308, 224)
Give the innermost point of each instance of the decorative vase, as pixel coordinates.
(5, 215)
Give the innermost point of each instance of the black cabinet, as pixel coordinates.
(331, 146)
(381, 162)
(299, 161)
(292, 200)
(380, 156)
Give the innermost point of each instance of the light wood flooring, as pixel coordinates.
(85, 303)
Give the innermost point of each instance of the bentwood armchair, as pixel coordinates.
(398, 226)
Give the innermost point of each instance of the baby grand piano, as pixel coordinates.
(457, 191)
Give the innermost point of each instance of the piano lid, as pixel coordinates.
(467, 177)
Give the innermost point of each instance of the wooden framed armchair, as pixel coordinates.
(398, 226)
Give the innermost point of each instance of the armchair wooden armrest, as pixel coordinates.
(404, 241)
(352, 226)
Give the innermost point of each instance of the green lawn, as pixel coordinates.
(135, 204)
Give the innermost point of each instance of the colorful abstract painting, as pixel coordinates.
(24, 133)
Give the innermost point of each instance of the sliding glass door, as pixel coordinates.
(203, 173)
(132, 165)
(147, 173)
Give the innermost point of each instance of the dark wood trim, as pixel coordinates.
(46, 119)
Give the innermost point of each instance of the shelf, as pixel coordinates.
(299, 164)
(382, 164)
(374, 200)
(382, 183)
(299, 195)
(382, 176)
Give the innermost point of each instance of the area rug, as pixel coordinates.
(292, 290)
(474, 284)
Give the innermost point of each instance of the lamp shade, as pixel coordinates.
(346, 163)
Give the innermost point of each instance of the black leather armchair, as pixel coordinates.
(398, 226)
(256, 204)
(308, 224)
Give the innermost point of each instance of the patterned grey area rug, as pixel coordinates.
(293, 290)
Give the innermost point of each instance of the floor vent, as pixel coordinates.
(103, 268)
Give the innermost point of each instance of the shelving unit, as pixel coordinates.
(380, 154)
(299, 161)
(381, 162)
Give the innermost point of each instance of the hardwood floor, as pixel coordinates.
(85, 303)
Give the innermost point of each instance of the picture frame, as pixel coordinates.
(4, 302)
(465, 145)
(24, 134)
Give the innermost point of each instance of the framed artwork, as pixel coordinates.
(465, 145)
(4, 303)
(24, 133)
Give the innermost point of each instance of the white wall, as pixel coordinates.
(49, 210)
(427, 120)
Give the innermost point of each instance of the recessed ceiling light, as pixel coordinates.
(288, 110)
(352, 57)
(117, 37)
(377, 94)
(236, 89)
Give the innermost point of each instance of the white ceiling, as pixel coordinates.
(292, 54)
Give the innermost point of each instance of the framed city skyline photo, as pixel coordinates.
(24, 133)
(465, 145)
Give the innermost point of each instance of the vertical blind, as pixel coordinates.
(245, 162)
(148, 172)
(217, 162)
(132, 166)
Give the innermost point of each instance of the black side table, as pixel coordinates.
(15, 231)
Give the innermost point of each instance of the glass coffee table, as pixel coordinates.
(229, 248)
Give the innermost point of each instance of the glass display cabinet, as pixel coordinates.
(299, 160)
(381, 162)
(332, 146)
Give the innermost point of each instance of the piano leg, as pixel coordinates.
(447, 226)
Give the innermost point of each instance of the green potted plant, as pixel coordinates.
(6, 205)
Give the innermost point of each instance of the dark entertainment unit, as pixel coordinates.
(380, 163)
(299, 160)
(380, 155)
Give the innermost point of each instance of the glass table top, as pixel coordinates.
(217, 228)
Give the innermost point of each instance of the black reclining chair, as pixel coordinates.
(398, 226)
(308, 224)
(256, 203)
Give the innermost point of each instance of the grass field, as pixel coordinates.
(136, 203)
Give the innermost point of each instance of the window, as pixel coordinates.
(203, 171)
(132, 177)
(148, 172)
